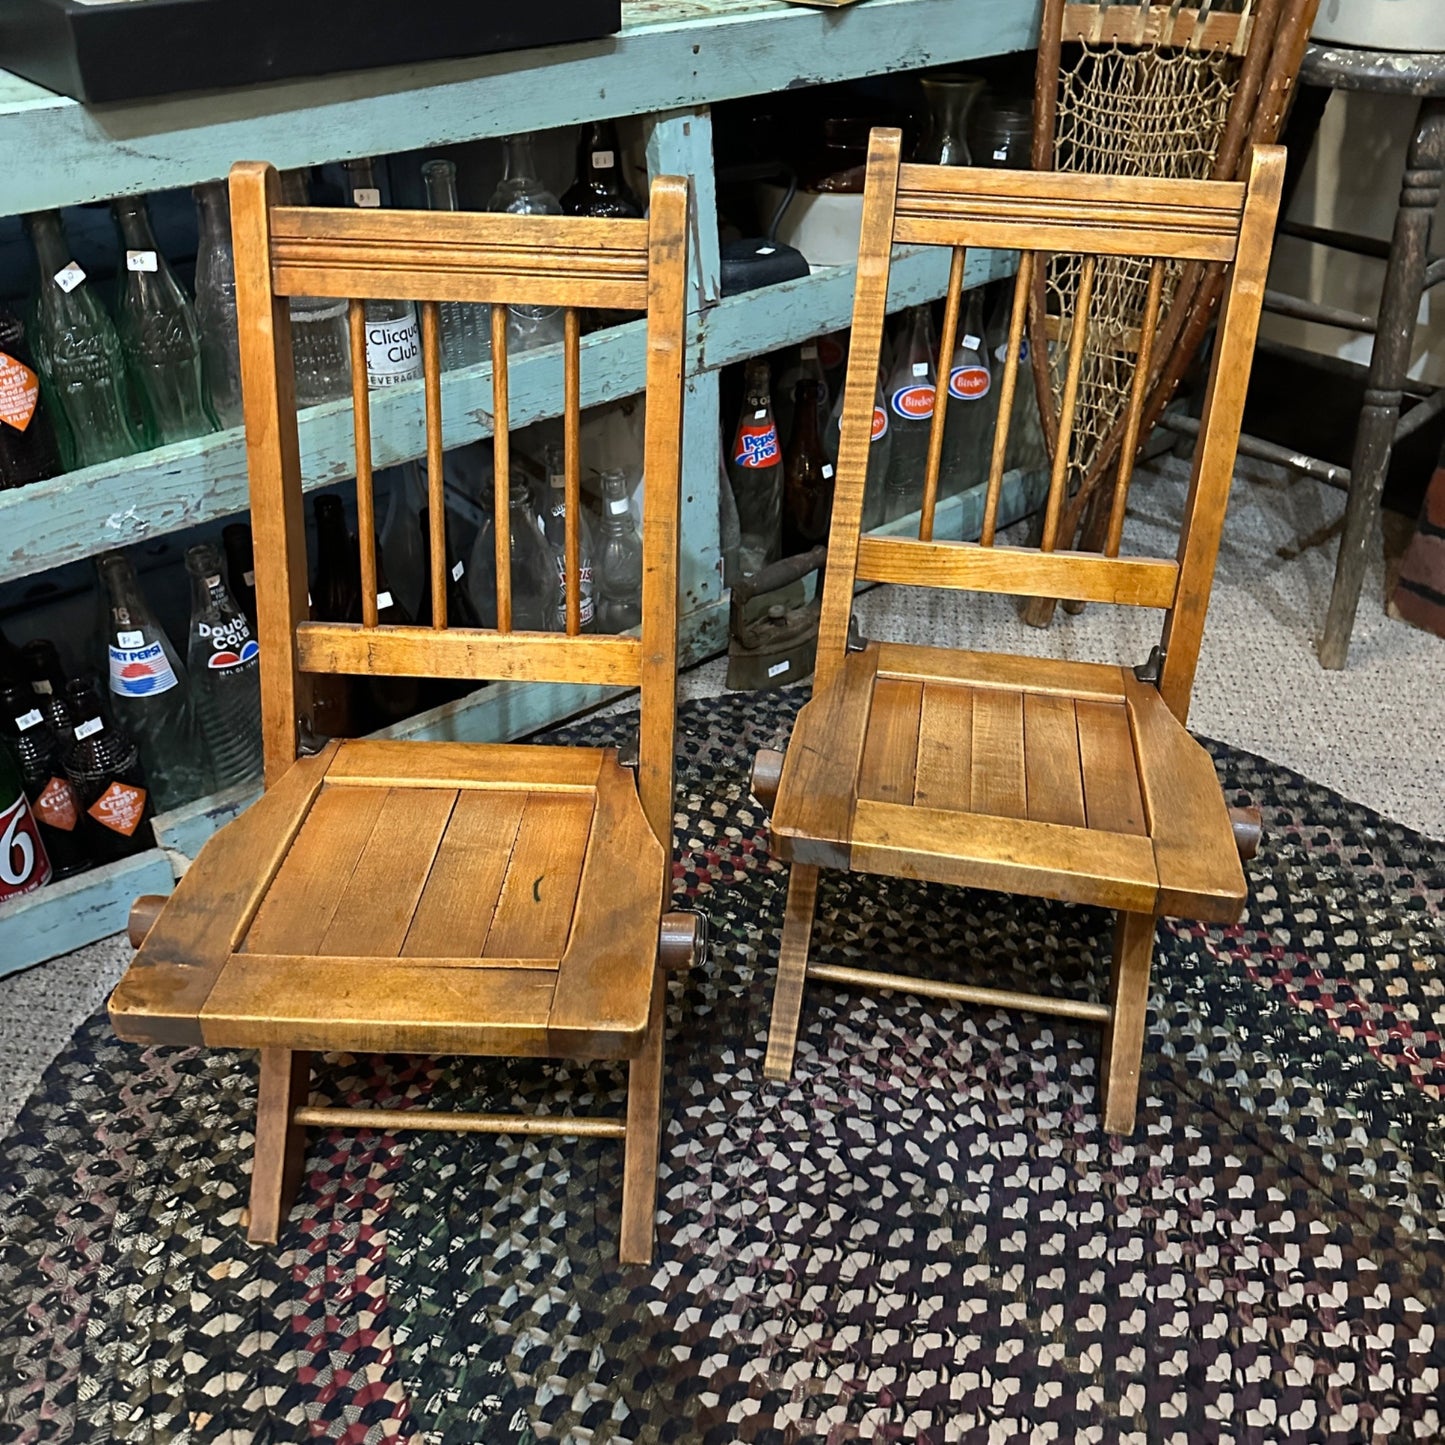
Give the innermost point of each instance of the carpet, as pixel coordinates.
(924, 1236)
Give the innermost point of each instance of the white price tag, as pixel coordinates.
(920, 368)
(249, 578)
(213, 581)
(1001, 154)
(28, 719)
(779, 668)
(88, 728)
(130, 639)
(366, 196)
(69, 277)
(141, 261)
(760, 413)
(971, 343)
(809, 351)
(617, 506)
(766, 250)
(557, 481)
(827, 470)
(603, 160)
(383, 601)
(458, 570)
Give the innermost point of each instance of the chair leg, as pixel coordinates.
(644, 1136)
(1124, 1033)
(280, 1150)
(792, 972)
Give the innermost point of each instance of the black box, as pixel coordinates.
(105, 50)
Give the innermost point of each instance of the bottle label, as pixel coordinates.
(603, 160)
(586, 603)
(392, 350)
(969, 383)
(88, 728)
(56, 805)
(1000, 353)
(913, 403)
(19, 392)
(232, 645)
(28, 720)
(140, 671)
(23, 864)
(757, 444)
(880, 424)
(366, 196)
(831, 352)
(120, 808)
(69, 277)
(140, 261)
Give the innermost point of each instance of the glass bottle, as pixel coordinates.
(755, 470)
(521, 193)
(393, 339)
(619, 559)
(804, 365)
(390, 699)
(335, 597)
(150, 693)
(405, 551)
(103, 763)
(28, 452)
(949, 98)
(241, 568)
(880, 452)
(808, 478)
(600, 189)
(159, 333)
(534, 573)
(52, 797)
(216, 302)
(552, 503)
(12, 662)
(225, 666)
(43, 670)
(320, 339)
(910, 388)
(460, 611)
(79, 354)
(1028, 448)
(24, 864)
(466, 325)
(967, 437)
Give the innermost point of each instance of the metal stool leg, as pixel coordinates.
(1389, 362)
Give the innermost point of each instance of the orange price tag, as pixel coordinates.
(19, 392)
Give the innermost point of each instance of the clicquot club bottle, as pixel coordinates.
(28, 452)
(53, 800)
(79, 354)
(808, 478)
(755, 470)
(225, 666)
(241, 569)
(393, 339)
(103, 763)
(335, 597)
(159, 333)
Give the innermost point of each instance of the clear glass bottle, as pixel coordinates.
(619, 559)
(159, 333)
(949, 98)
(103, 762)
(150, 693)
(393, 338)
(755, 470)
(967, 436)
(521, 193)
(911, 393)
(28, 450)
(225, 667)
(880, 452)
(466, 326)
(78, 354)
(534, 573)
(320, 339)
(216, 302)
(552, 504)
(1028, 448)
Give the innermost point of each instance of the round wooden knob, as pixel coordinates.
(767, 771)
(143, 914)
(1248, 826)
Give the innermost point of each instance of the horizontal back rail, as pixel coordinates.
(459, 256)
(1193, 28)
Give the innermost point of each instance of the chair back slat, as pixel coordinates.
(998, 455)
(1102, 226)
(436, 259)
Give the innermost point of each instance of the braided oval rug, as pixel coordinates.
(924, 1236)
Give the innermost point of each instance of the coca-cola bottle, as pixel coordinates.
(393, 340)
(225, 667)
(150, 693)
(553, 506)
(967, 437)
(103, 763)
(335, 597)
(28, 452)
(24, 864)
(880, 451)
(755, 471)
(51, 794)
(241, 568)
(910, 388)
(534, 572)
(619, 559)
(808, 478)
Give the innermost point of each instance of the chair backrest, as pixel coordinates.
(1039, 214)
(430, 257)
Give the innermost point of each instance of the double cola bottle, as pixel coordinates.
(225, 667)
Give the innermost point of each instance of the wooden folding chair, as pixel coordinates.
(426, 896)
(1063, 780)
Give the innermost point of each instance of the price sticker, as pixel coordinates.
(1001, 154)
(971, 343)
(141, 261)
(458, 570)
(41, 688)
(383, 601)
(617, 506)
(28, 719)
(920, 368)
(827, 471)
(366, 196)
(766, 250)
(249, 578)
(603, 160)
(761, 412)
(89, 728)
(779, 668)
(69, 277)
(130, 639)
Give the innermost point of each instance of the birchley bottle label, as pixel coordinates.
(24, 866)
(137, 668)
(19, 392)
(120, 808)
(880, 424)
(393, 351)
(55, 805)
(969, 382)
(232, 645)
(914, 402)
(757, 442)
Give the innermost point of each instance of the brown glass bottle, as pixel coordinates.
(335, 597)
(807, 477)
(28, 451)
(53, 800)
(600, 189)
(102, 761)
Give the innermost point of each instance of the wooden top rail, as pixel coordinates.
(1165, 25)
(459, 256)
(1059, 211)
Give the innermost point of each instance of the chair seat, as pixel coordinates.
(1057, 779)
(409, 896)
